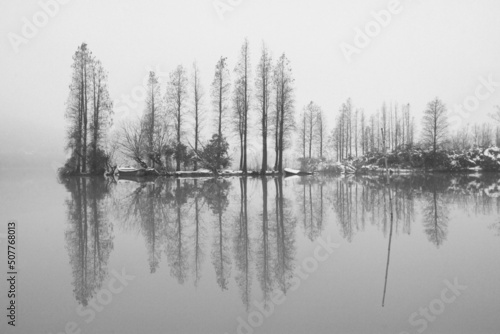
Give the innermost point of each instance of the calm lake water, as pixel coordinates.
(295, 255)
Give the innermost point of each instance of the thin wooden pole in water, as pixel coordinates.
(390, 239)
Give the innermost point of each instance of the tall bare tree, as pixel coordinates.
(384, 125)
(311, 123)
(283, 84)
(152, 121)
(238, 121)
(434, 124)
(322, 130)
(88, 98)
(356, 136)
(263, 85)
(177, 93)
(86, 58)
(396, 127)
(242, 78)
(363, 132)
(76, 109)
(102, 110)
(344, 132)
(197, 97)
(220, 92)
(303, 131)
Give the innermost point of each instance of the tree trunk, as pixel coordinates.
(78, 147)
(152, 125)
(310, 133)
(220, 115)
(245, 111)
(178, 158)
(95, 125)
(276, 138)
(281, 135)
(264, 123)
(84, 151)
(196, 130)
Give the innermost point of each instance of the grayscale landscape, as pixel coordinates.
(233, 166)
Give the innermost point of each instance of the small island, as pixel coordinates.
(248, 126)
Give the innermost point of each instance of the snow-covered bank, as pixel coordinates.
(417, 160)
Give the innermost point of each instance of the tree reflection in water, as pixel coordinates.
(89, 236)
(247, 226)
(199, 234)
(435, 216)
(242, 246)
(216, 196)
(265, 252)
(311, 199)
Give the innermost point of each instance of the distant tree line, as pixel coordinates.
(355, 133)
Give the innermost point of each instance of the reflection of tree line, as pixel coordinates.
(357, 200)
(189, 220)
(89, 235)
(310, 196)
(186, 221)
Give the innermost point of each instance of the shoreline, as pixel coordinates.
(359, 172)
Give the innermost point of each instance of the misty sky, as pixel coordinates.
(429, 48)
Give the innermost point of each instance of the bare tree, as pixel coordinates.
(476, 134)
(408, 126)
(133, 141)
(396, 127)
(460, 139)
(465, 137)
(314, 129)
(435, 124)
(311, 118)
(177, 93)
(356, 132)
(76, 109)
(242, 77)
(322, 130)
(344, 130)
(263, 84)
(152, 118)
(102, 110)
(238, 121)
(283, 84)
(220, 92)
(86, 58)
(486, 135)
(197, 107)
(363, 133)
(348, 127)
(384, 124)
(303, 131)
(89, 112)
(372, 133)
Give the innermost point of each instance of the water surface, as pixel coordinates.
(207, 255)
